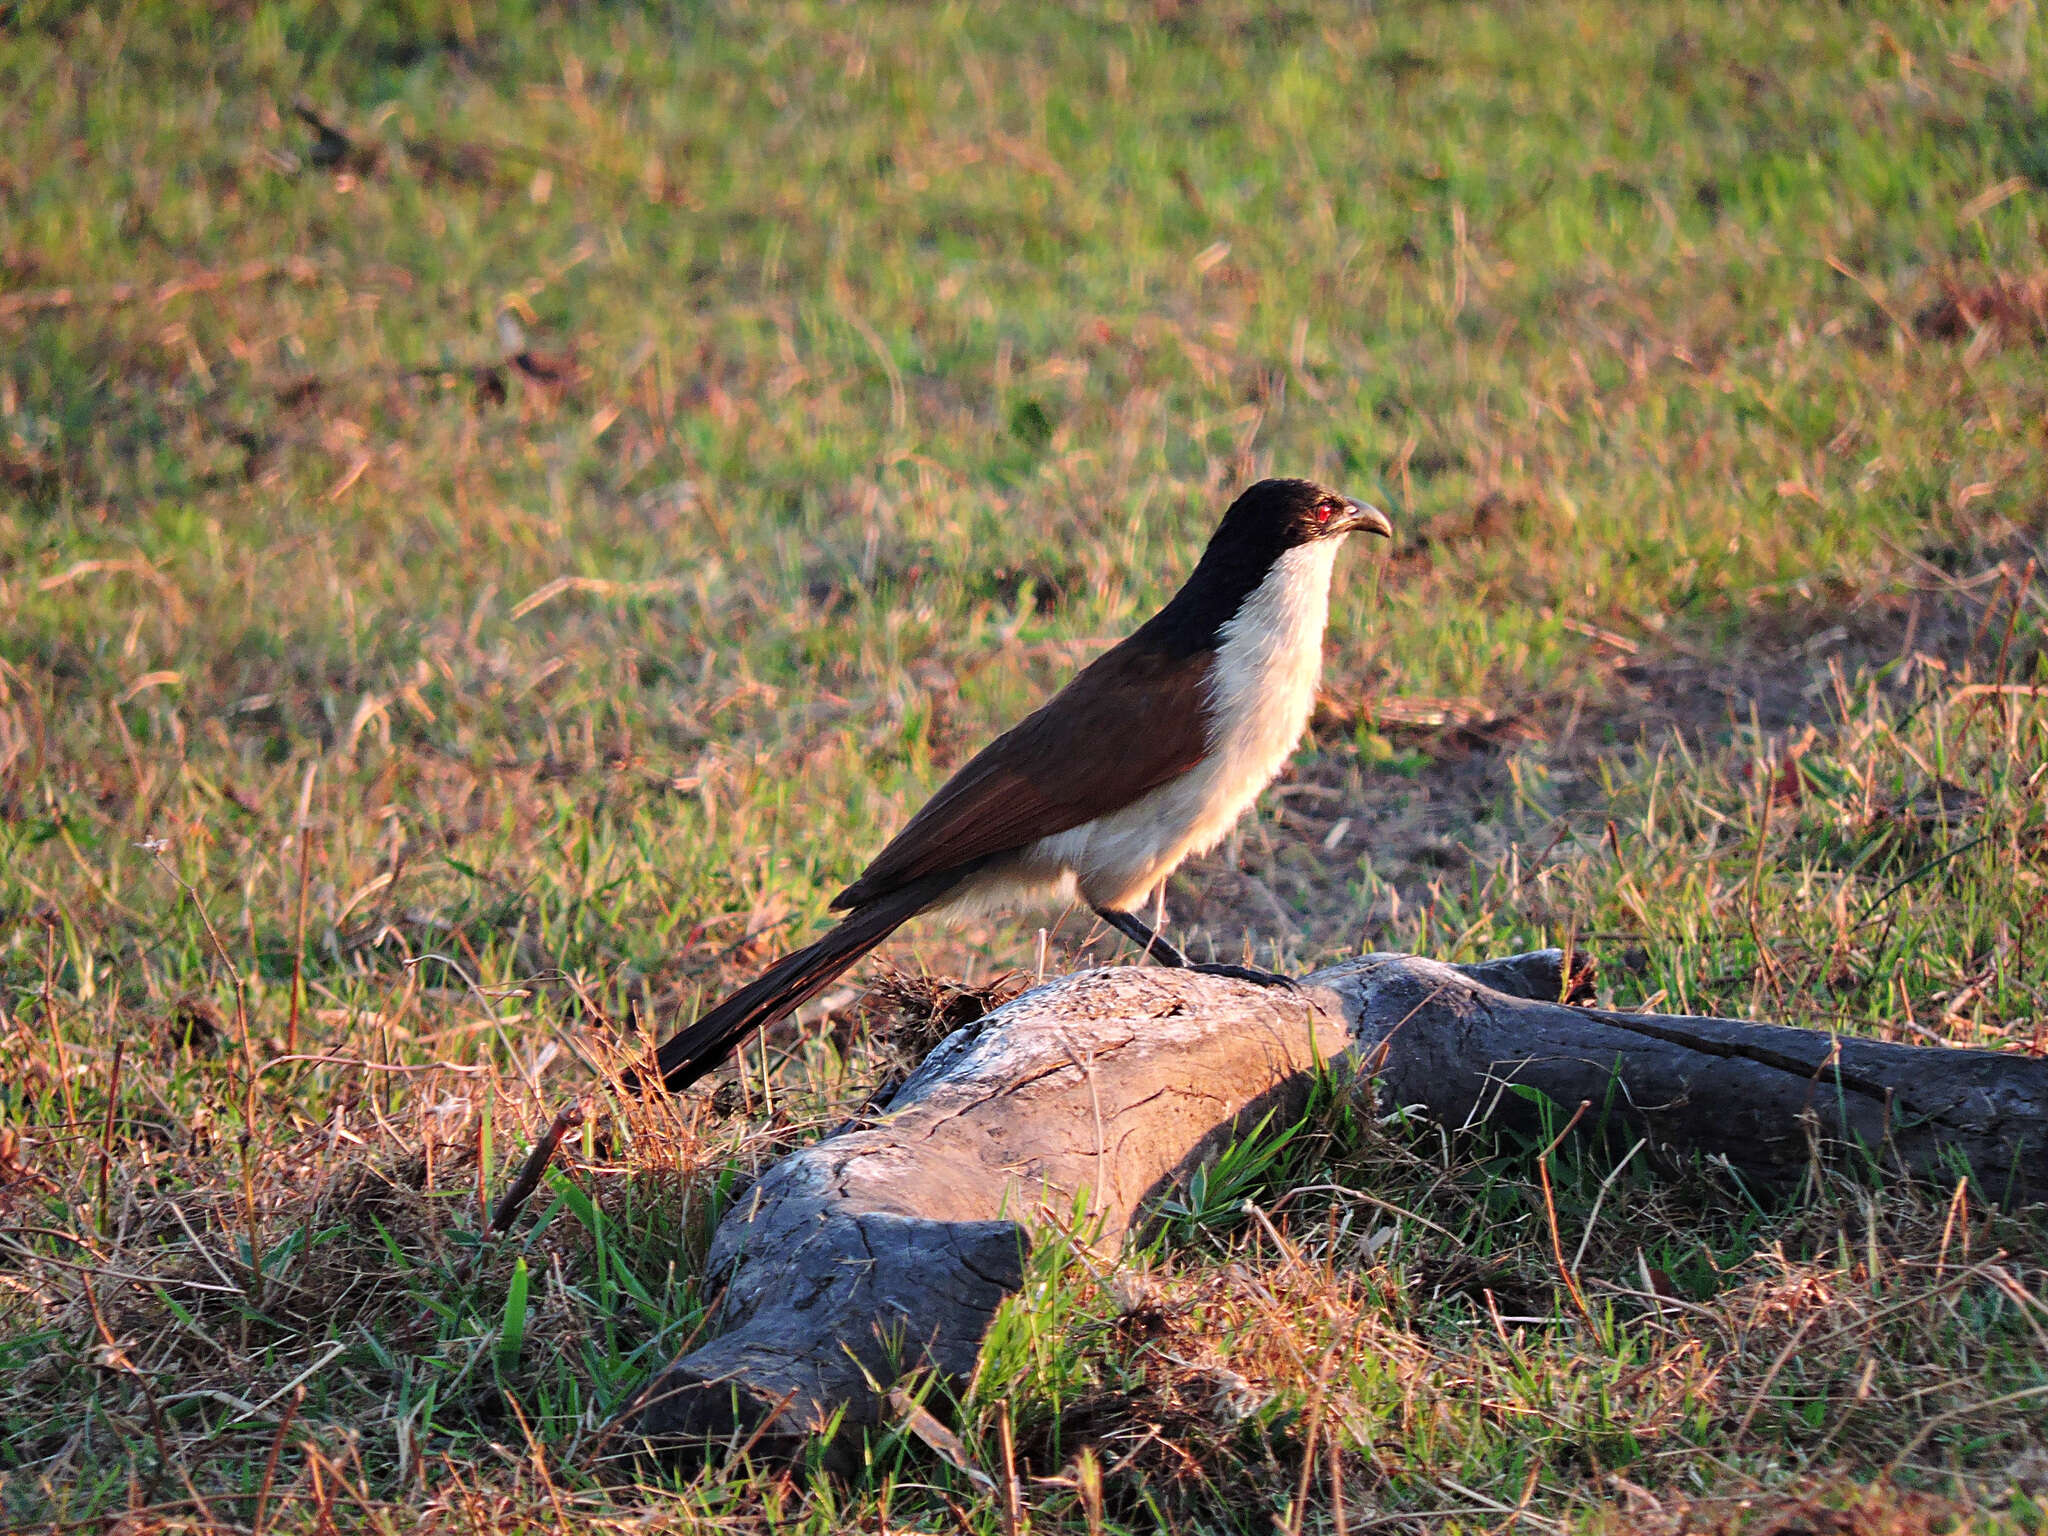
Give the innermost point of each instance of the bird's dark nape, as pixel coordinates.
(791, 982)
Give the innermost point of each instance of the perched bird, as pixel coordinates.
(1149, 755)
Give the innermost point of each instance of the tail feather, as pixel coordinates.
(791, 982)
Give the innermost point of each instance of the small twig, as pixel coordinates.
(1876, 294)
(461, 1068)
(1771, 1376)
(295, 269)
(1521, 1504)
(1550, 1210)
(2025, 1394)
(117, 1359)
(249, 1071)
(107, 1136)
(1014, 1521)
(2003, 690)
(597, 586)
(99, 1268)
(1606, 1184)
(39, 749)
(2012, 619)
(1958, 1203)
(291, 1028)
(56, 1035)
(291, 1411)
(1298, 1515)
(1374, 1200)
(1765, 958)
(528, 1181)
(1380, 1522)
(767, 1422)
(540, 1464)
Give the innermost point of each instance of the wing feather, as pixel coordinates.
(1134, 719)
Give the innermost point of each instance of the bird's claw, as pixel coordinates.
(1252, 974)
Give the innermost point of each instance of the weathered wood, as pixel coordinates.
(1765, 1097)
(887, 1249)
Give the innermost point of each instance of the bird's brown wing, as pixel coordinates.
(1131, 721)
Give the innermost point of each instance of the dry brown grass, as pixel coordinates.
(480, 563)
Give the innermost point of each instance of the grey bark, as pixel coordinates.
(887, 1249)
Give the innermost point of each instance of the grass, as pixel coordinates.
(482, 560)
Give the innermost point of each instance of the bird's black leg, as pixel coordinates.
(1142, 934)
(1134, 928)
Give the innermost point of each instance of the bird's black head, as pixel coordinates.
(1263, 524)
(1274, 516)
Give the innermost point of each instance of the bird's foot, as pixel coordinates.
(1252, 974)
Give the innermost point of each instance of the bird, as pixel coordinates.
(1147, 756)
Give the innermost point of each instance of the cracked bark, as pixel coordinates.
(887, 1249)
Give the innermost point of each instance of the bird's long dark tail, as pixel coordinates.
(792, 981)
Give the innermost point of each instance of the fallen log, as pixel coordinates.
(886, 1249)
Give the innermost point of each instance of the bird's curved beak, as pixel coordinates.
(1364, 518)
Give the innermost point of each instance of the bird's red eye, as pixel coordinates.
(1323, 511)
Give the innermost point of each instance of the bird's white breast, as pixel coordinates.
(1262, 686)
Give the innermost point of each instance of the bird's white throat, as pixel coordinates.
(1267, 665)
